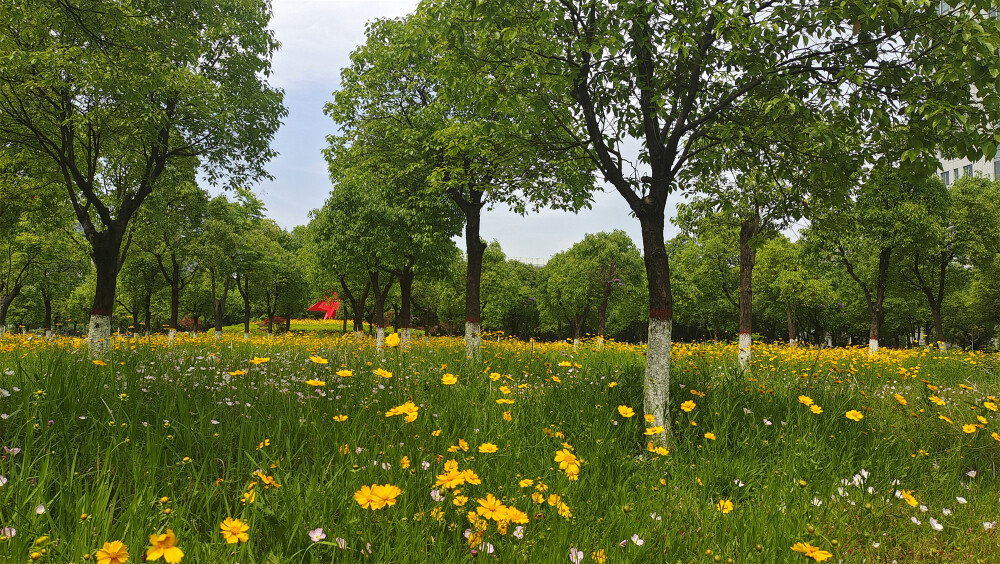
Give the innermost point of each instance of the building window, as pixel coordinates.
(954, 174)
(967, 170)
(947, 181)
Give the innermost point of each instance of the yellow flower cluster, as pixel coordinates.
(409, 409)
(377, 496)
(568, 463)
(453, 477)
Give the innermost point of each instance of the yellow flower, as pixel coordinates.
(599, 556)
(99, 362)
(383, 373)
(969, 428)
(944, 418)
(409, 409)
(936, 400)
(653, 430)
(404, 462)
(392, 340)
(237, 372)
(909, 498)
(460, 500)
(710, 436)
(625, 411)
(376, 496)
(526, 483)
(688, 406)
(340, 418)
(612, 384)
(996, 435)
(491, 508)
(234, 530)
(260, 360)
(449, 379)
(649, 418)
(113, 552)
(505, 401)
(815, 409)
(854, 415)
(507, 416)
(982, 420)
(805, 400)
(164, 545)
(725, 506)
(811, 551)
(317, 383)
(345, 373)
(487, 447)
(657, 449)
(900, 399)
(318, 360)
(990, 405)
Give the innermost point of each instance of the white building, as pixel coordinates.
(953, 169)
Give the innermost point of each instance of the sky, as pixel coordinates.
(317, 38)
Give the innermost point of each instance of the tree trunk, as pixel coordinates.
(243, 285)
(47, 322)
(219, 303)
(357, 305)
(5, 301)
(748, 255)
(106, 247)
(148, 311)
(474, 248)
(656, 383)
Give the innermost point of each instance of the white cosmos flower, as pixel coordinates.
(935, 525)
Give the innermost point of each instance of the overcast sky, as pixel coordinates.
(317, 37)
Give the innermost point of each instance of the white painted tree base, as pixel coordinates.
(246, 336)
(744, 354)
(793, 342)
(872, 346)
(576, 344)
(656, 387)
(380, 338)
(171, 335)
(600, 343)
(218, 335)
(405, 333)
(473, 339)
(99, 335)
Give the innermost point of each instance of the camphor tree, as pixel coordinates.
(112, 94)
(678, 78)
(444, 110)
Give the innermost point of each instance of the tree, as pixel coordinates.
(111, 95)
(481, 146)
(681, 77)
(956, 227)
(173, 222)
(788, 287)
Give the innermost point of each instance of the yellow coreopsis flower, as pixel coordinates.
(487, 447)
(625, 411)
(100, 362)
(526, 483)
(317, 383)
(937, 400)
(815, 409)
(653, 430)
(724, 506)
(909, 498)
(392, 340)
(237, 372)
(340, 418)
(114, 552)
(649, 418)
(854, 415)
(234, 530)
(260, 359)
(345, 373)
(900, 399)
(688, 406)
(990, 405)
(806, 400)
(383, 373)
(710, 436)
(969, 428)
(318, 360)
(491, 508)
(449, 379)
(164, 545)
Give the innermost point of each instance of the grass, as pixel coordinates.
(177, 437)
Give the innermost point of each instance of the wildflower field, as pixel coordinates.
(321, 448)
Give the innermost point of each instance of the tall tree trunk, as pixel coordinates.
(748, 255)
(475, 248)
(219, 302)
(243, 285)
(148, 311)
(656, 382)
(5, 301)
(47, 322)
(107, 257)
(876, 309)
(357, 304)
(406, 295)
